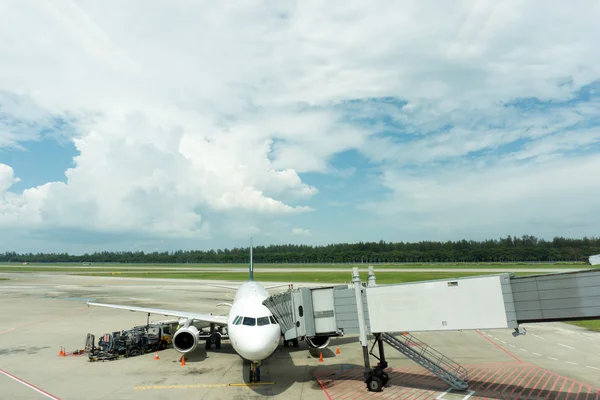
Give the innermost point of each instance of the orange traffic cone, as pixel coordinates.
(62, 352)
(182, 360)
(320, 357)
(337, 350)
(156, 356)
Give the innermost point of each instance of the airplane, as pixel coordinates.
(252, 329)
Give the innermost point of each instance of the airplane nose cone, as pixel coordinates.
(253, 351)
(260, 348)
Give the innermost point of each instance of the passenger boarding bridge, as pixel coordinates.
(389, 312)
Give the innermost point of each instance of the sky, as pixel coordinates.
(157, 126)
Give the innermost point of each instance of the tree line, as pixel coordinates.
(510, 249)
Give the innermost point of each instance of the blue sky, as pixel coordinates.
(298, 130)
(39, 162)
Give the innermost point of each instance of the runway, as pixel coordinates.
(42, 312)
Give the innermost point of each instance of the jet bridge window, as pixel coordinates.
(249, 321)
(262, 321)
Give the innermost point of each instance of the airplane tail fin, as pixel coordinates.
(251, 266)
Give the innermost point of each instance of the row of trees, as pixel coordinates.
(510, 249)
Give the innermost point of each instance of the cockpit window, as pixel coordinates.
(272, 319)
(238, 320)
(249, 321)
(263, 321)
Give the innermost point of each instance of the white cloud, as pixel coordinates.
(7, 178)
(204, 109)
(301, 232)
(546, 197)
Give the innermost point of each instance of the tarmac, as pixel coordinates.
(43, 312)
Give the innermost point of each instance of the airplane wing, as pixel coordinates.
(217, 319)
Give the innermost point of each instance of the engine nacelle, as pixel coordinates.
(185, 339)
(317, 342)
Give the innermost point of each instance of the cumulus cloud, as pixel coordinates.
(202, 113)
(301, 232)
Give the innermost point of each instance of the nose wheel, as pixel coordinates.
(254, 372)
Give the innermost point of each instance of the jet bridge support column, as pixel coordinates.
(375, 378)
(361, 318)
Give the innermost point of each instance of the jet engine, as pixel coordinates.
(186, 339)
(317, 342)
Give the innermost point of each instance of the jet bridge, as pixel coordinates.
(389, 312)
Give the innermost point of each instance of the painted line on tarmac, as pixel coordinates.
(498, 346)
(537, 354)
(252, 384)
(441, 396)
(564, 345)
(539, 337)
(29, 385)
(200, 386)
(196, 386)
(45, 320)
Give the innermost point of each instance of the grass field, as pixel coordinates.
(199, 267)
(593, 325)
(329, 277)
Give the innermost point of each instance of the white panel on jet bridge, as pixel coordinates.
(467, 303)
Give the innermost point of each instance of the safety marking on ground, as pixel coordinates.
(564, 345)
(539, 337)
(196, 386)
(202, 386)
(29, 385)
(78, 311)
(252, 384)
(469, 394)
(498, 346)
(514, 380)
(537, 354)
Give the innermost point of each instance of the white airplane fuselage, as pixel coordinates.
(251, 328)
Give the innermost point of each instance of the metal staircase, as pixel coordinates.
(438, 364)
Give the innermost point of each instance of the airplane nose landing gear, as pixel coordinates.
(254, 376)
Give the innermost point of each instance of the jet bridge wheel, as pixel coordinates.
(374, 384)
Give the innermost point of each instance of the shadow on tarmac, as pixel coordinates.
(281, 369)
